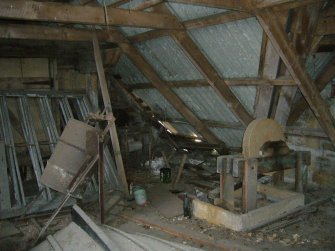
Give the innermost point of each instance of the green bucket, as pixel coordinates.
(165, 175)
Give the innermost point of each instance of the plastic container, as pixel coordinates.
(139, 195)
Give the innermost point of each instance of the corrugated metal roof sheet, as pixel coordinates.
(232, 48)
(158, 103)
(186, 130)
(314, 66)
(187, 11)
(131, 31)
(247, 96)
(316, 62)
(168, 59)
(128, 71)
(131, 4)
(206, 104)
(231, 137)
(106, 2)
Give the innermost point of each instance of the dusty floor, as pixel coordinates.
(313, 230)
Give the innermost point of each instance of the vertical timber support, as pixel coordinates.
(299, 173)
(108, 107)
(249, 189)
(269, 21)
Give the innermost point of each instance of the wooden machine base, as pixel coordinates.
(284, 203)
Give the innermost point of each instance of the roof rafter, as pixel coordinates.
(209, 73)
(40, 32)
(67, 13)
(300, 106)
(175, 101)
(290, 58)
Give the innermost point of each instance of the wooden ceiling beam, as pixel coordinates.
(230, 82)
(40, 32)
(67, 13)
(301, 105)
(280, 41)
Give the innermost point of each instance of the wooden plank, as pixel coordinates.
(300, 106)
(108, 107)
(67, 13)
(175, 230)
(269, 71)
(40, 32)
(213, 78)
(216, 19)
(305, 132)
(299, 175)
(249, 191)
(4, 183)
(178, 104)
(268, 20)
(303, 26)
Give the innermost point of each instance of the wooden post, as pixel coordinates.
(180, 170)
(166, 160)
(269, 21)
(228, 185)
(108, 107)
(249, 189)
(101, 180)
(299, 173)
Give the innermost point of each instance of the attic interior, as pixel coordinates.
(167, 124)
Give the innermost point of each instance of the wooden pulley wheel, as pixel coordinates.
(259, 132)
